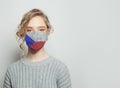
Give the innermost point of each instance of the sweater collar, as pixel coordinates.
(36, 63)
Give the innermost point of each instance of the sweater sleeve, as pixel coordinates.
(7, 80)
(64, 79)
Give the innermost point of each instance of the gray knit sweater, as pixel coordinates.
(48, 73)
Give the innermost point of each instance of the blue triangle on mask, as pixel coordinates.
(29, 41)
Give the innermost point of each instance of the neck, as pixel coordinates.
(41, 54)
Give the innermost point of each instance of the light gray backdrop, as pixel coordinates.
(86, 37)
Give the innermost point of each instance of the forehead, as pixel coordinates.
(36, 21)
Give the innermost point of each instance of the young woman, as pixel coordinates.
(37, 69)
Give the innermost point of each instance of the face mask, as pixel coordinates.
(36, 40)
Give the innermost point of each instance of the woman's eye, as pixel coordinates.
(42, 29)
(29, 30)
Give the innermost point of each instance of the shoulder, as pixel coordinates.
(59, 63)
(13, 65)
(62, 70)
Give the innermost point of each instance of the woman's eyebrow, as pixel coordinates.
(38, 27)
(28, 27)
(41, 27)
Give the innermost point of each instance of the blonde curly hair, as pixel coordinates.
(21, 32)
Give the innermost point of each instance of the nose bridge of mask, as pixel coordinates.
(38, 36)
